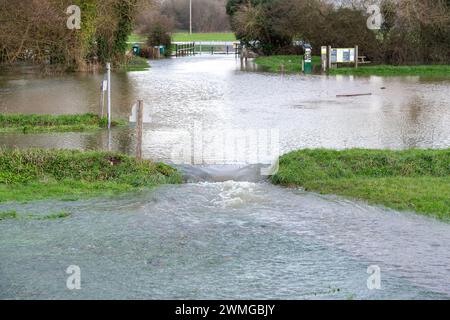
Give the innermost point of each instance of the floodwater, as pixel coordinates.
(212, 93)
(228, 233)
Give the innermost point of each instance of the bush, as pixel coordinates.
(159, 36)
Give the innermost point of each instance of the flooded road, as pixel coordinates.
(236, 239)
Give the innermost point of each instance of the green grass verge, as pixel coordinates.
(218, 36)
(388, 70)
(13, 215)
(414, 180)
(38, 174)
(291, 63)
(40, 123)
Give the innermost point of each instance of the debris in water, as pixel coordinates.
(353, 95)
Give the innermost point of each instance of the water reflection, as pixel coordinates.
(244, 240)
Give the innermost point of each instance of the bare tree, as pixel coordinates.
(207, 15)
(36, 31)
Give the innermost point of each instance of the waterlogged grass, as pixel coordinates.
(136, 64)
(38, 174)
(291, 63)
(8, 215)
(52, 216)
(217, 36)
(388, 70)
(39, 123)
(13, 215)
(412, 180)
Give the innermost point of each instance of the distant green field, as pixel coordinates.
(136, 38)
(184, 36)
(388, 70)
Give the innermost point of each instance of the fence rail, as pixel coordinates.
(200, 47)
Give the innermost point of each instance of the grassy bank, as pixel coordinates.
(217, 36)
(14, 215)
(291, 63)
(415, 180)
(38, 123)
(136, 64)
(69, 175)
(387, 70)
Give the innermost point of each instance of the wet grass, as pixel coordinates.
(38, 174)
(412, 180)
(388, 70)
(52, 216)
(8, 215)
(291, 63)
(13, 215)
(136, 64)
(41, 123)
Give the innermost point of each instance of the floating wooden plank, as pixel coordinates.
(353, 95)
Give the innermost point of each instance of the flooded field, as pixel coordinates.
(214, 93)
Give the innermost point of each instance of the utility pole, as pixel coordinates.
(190, 16)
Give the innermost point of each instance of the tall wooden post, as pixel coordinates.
(108, 68)
(356, 56)
(139, 129)
(102, 101)
(329, 58)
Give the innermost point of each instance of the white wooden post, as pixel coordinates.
(329, 58)
(102, 101)
(108, 68)
(139, 128)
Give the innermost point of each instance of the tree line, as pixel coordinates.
(36, 31)
(411, 32)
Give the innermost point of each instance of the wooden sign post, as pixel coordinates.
(139, 129)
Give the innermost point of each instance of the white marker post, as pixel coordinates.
(108, 68)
